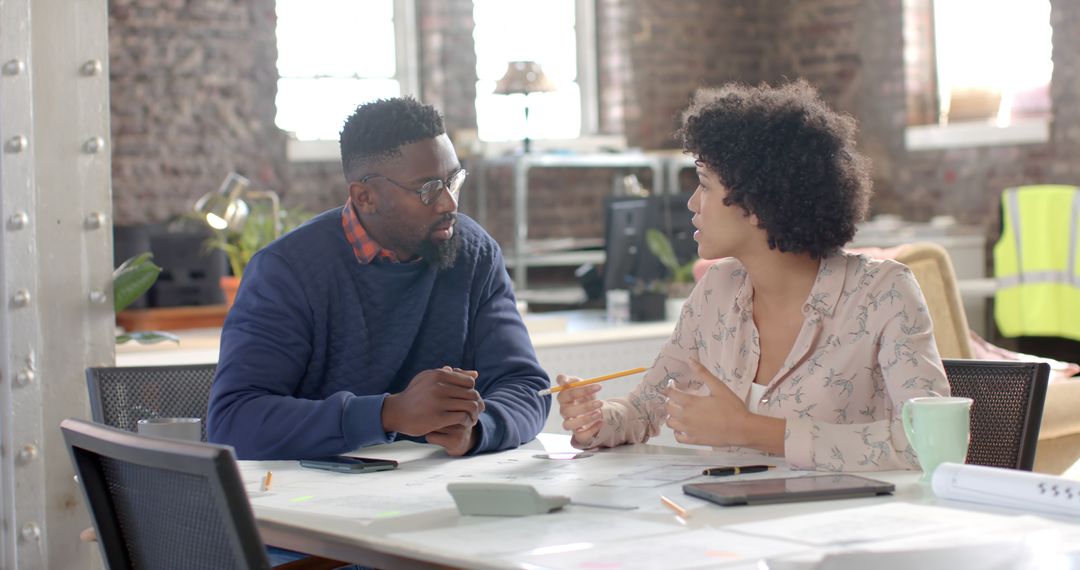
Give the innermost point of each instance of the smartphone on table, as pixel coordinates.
(346, 464)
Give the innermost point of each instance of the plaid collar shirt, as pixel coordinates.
(364, 247)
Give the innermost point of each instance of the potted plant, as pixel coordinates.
(133, 278)
(240, 245)
(647, 300)
(680, 277)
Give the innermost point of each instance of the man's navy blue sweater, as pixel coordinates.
(316, 341)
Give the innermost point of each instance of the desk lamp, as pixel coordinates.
(225, 209)
(524, 77)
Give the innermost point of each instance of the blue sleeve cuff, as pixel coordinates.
(361, 422)
(489, 436)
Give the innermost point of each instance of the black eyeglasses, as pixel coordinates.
(429, 192)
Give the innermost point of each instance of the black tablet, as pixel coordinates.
(788, 489)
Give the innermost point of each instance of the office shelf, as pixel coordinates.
(565, 259)
(519, 257)
(552, 296)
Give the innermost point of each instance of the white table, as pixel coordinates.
(338, 516)
(579, 343)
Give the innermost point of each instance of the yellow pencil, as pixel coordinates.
(674, 507)
(612, 376)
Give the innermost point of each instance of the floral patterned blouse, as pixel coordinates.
(866, 345)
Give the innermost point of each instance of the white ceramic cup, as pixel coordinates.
(187, 429)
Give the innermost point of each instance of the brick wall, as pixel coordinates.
(448, 61)
(667, 54)
(193, 86)
(853, 51)
(966, 183)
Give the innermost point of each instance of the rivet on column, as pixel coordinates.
(18, 220)
(94, 220)
(16, 143)
(91, 67)
(93, 145)
(27, 454)
(30, 532)
(14, 67)
(21, 298)
(24, 377)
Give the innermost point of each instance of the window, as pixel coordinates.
(557, 34)
(336, 54)
(993, 59)
(993, 67)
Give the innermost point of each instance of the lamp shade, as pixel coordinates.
(523, 77)
(224, 208)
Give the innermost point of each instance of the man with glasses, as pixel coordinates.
(389, 318)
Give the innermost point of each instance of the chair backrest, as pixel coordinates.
(159, 503)
(932, 268)
(120, 397)
(1007, 409)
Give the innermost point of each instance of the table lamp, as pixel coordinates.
(524, 77)
(225, 208)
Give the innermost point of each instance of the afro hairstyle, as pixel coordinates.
(785, 157)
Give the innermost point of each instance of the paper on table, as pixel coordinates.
(1007, 488)
(506, 535)
(1027, 542)
(372, 495)
(986, 556)
(879, 522)
(656, 476)
(704, 548)
(356, 506)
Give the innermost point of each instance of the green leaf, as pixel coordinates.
(132, 262)
(256, 233)
(661, 247)
(685, 273)
(133, 278)
(149, 337)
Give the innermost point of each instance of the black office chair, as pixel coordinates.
(1007, 409)
(160, 503)
(120, 397)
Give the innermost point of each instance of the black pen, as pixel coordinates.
(736, 470)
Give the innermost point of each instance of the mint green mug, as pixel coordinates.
(939, 429)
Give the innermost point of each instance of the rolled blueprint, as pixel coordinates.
(1010, 488)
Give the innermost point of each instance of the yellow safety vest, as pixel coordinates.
(1037, 262)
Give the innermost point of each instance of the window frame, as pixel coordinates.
(971, 134)
(406, 73)
(590, 139)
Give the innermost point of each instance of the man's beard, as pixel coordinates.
(440, 255)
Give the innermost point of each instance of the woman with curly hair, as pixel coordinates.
(787, 345)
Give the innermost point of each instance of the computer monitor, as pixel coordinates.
(628, 258)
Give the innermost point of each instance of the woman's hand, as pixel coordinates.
(580, 410)
(720, 418)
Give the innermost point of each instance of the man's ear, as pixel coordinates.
(363, 197)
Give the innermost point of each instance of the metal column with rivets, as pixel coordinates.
(56, 314)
